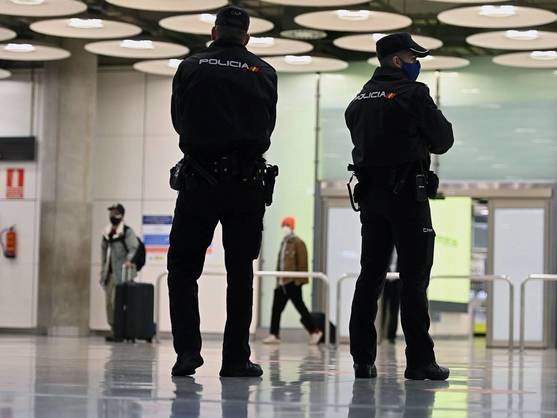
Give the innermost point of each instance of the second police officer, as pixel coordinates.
(224, 109)
(395, 126)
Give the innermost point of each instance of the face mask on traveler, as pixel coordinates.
(286, 230)
(115, 220)
(412, 70)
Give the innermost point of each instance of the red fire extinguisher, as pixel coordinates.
(8, 239)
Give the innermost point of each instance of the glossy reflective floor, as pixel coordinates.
(65, 377)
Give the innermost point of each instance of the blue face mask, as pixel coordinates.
(412, 70)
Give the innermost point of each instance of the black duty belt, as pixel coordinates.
(390, 178)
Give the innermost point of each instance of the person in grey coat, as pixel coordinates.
(119, 244)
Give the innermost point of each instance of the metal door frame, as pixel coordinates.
(530, 202)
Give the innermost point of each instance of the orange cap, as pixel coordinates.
(290, 222)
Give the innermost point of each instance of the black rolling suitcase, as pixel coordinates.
(133, 310)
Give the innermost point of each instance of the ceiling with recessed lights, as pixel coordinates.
(336, 29)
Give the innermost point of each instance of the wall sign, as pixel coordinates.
(15, 181)
(156, 235)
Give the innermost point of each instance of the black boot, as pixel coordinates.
(186, 364)
(365, 371)
(430, 371)
(245, 370)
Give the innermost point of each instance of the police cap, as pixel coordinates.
(233, 16)
(397, 42)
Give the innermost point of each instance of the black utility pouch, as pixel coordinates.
(421, 188)
(432, 185)
(177, 176)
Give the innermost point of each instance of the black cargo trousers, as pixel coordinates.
(239, 207)
(398, 219)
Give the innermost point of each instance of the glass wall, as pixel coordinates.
(503, 119)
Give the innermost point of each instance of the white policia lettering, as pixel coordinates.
(371, 95)
(234, 64)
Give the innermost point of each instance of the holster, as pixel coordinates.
(433, 185)
(185, 174)
(270, 174)
(354, 194)
(177, 176)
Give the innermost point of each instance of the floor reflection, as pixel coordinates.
(59, 378)
(188, 398)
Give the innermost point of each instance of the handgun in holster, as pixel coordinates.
(182, 173)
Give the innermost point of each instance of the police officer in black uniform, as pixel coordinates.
(395, 125)
(224, 108)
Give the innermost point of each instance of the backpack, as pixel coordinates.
(139, 257)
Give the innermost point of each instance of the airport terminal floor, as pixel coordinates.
(45, 377)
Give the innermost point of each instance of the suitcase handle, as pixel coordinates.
(128, 274)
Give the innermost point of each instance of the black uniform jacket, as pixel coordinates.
(395, 121)
(224, 101)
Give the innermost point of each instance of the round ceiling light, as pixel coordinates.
(316, 3)
(15, 47)
(277, 46)
(85, 28)
(304, 34)
(6, 34)
(497, 17)
(434, 63)
(366, 42)
(544, 55)
(515, 40)
(353, 21)
(28, 2)
(201, 24)
(29, 52)
(535, 59)
(36, 8)
(177, 6)
(265, 46)
(133, 49)
(165, 68)
(4, 74)
(305, 64)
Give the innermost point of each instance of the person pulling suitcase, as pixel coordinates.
(118, 251)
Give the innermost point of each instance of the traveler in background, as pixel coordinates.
(293, 256)
(118, 247)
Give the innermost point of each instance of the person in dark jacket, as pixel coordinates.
(224, 109)
(395, 126)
